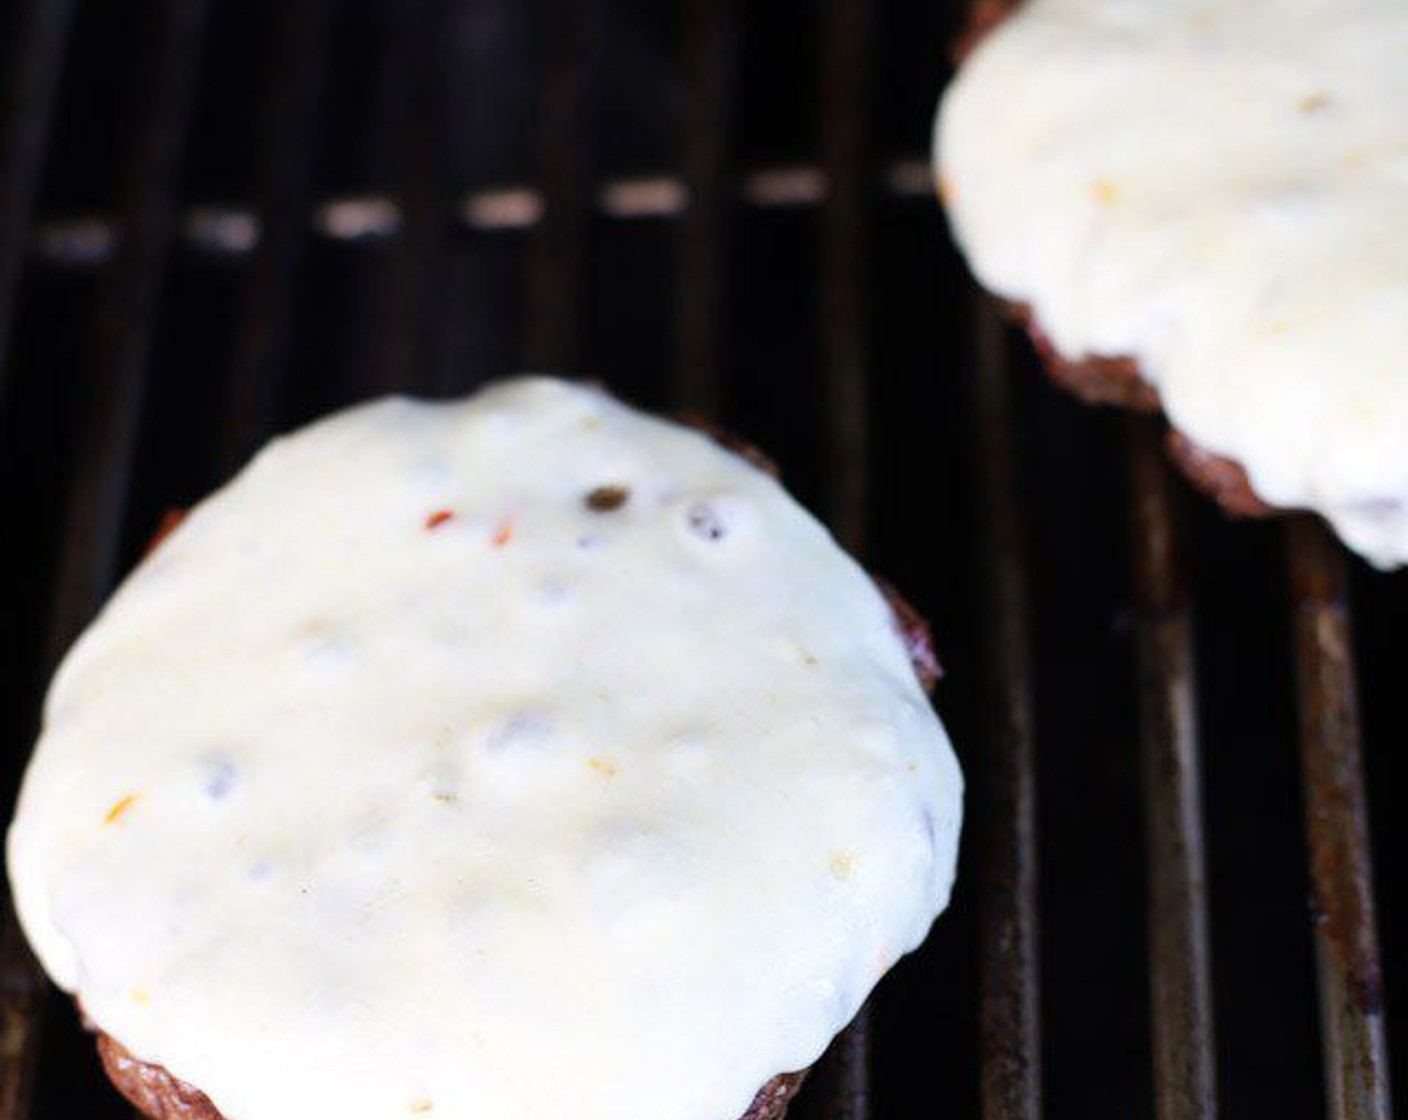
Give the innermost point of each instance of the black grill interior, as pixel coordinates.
(802, 288)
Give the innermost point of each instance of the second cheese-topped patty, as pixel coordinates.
(1217, 192)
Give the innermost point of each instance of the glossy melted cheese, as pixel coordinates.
(1220, 191)
(522, 756)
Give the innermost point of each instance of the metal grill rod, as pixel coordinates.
(122, 337)
(27, 112)
(844, 97)
(1337, 829)
(415, 326)
(710, 45)
(285, 184)
(1009, 976)
(554, 256)
(845, 76)
(87, 241)
(1180, 981)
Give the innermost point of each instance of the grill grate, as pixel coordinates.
(387, 264)
(33, 72)
(1180, 985)
(1007, 816)
(1346, 941)
(285, 184)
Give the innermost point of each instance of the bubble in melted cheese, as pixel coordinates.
(1219, 191)
(520, 756)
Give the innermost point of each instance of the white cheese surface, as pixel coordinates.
(1219, 191)
(401, 781)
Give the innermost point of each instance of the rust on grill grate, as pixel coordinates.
(1179, 959)
(1009, 967)
(1337, 830)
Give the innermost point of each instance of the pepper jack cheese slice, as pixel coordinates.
(1218, 191)
(522, 756)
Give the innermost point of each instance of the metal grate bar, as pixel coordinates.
(554, 254)
(849, 1073)
(84, 241)
(122, 338)
(123, 330)
(285, 201)
(844, 74)
(412, 342)
(1179, 957)
(1009, 964)
(22, 999)
(710, 37)
(844, 98)
(27, 111)
(1337, 830)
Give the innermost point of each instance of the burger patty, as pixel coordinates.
(161, 1096)
(158, 1094)
(1115, 379)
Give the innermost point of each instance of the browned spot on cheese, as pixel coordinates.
(141, 995)
(445, 797)
(1313, 103)
(119, 808)
(843, 865)
(421, 1107)
(503, 534)
(604, 499)
(1105, 191)
(603, 767)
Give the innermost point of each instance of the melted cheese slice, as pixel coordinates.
(1219, 191)
(523, 756)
